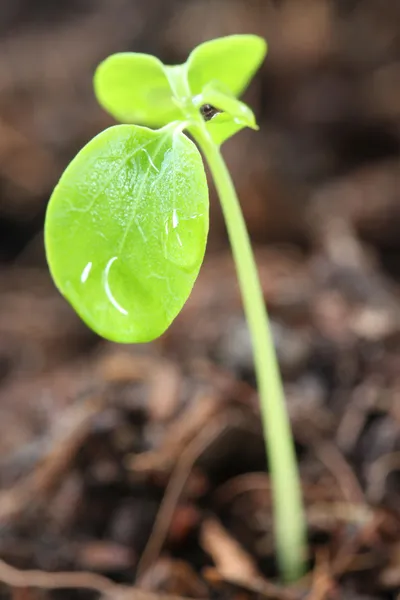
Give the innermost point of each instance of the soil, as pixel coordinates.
(139, 472)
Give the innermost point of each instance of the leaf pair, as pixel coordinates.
(139, 88)
(127, 224)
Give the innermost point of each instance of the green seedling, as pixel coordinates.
(127, 224)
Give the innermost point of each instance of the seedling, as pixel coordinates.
(127, 224)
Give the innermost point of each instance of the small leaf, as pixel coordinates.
(134, 88)
(234, 116)
(232, 60)
(239, 111)
(126, 230)
(222, 127)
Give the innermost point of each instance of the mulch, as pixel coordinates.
(140, 472)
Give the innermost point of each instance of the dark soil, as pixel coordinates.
(131, 472)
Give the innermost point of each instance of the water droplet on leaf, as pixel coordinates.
(107, 287)
(86, 272)
(179, 241)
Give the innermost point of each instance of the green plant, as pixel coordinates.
(127, 225)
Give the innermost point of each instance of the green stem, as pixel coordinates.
(289, 517)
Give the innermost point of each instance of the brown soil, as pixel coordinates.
(131, 472)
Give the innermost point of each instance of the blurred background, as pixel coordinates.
(146, 464)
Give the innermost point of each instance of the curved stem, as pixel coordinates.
(290, 529)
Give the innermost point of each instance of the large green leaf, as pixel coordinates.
(126, 230)
(232, 60)
(134, 88)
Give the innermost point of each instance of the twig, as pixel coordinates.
(16, 578)
(322, 583)
(234, 565)
(378, 473)
(180, 433)
(231, 560)
(40, 579)
(67, 439)
(331, 457)
(176, 484)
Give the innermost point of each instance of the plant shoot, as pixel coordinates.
(126, 227)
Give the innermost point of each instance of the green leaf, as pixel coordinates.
(234, 117)
(126, 230)
(232, 60)
(134, 88)
(214, 94)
